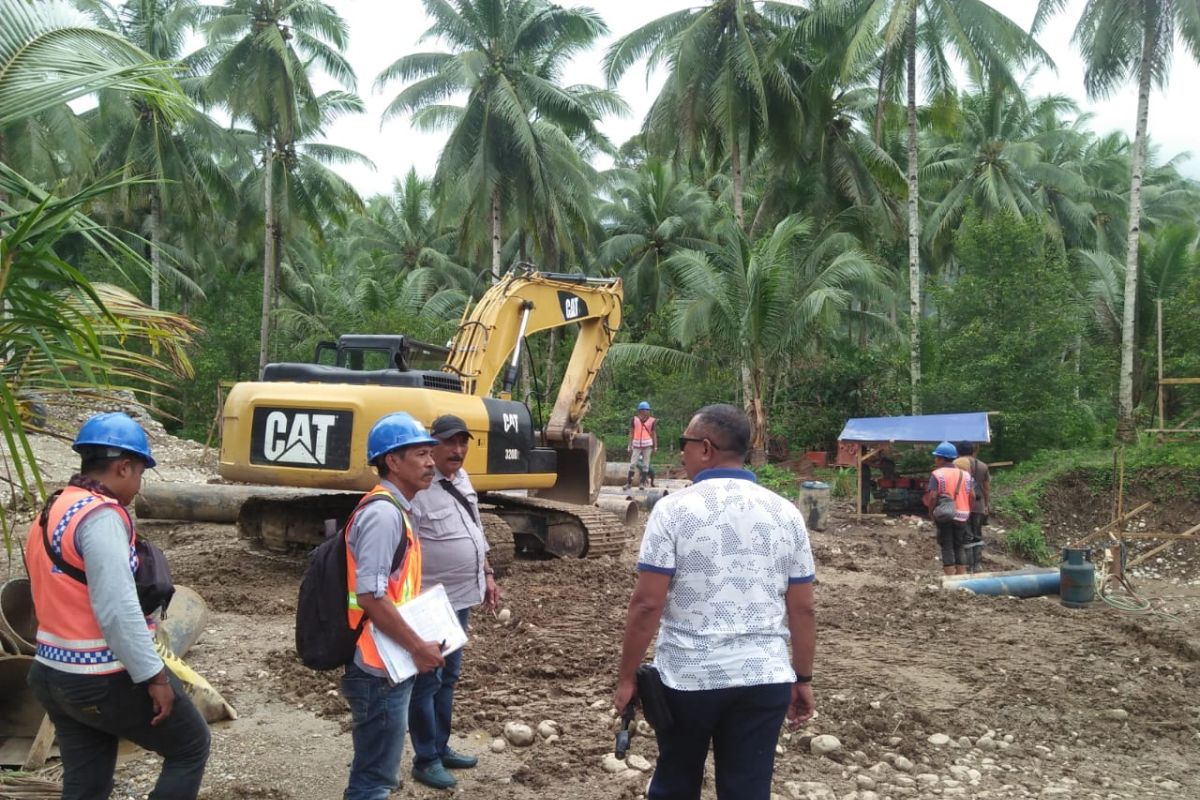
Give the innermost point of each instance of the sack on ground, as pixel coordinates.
(208, 701)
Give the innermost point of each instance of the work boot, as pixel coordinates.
(452, 759)
(434, 776)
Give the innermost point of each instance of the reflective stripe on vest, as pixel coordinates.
(69, 638)
(951, 479)
(403, 585)
(641, 434)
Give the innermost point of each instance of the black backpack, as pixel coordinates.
(324, 638)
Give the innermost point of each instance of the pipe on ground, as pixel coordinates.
(207, 502)
(623, 508)
(1034, 582)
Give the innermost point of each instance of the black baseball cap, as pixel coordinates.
(448, 425)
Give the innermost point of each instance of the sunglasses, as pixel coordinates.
(683, 440)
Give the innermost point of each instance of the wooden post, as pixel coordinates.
(1162, 423)
(39, 751)
(858, 459)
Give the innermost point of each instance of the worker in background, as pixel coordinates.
(887, 469)
(454, 554)
(96, 672)
(948, 479)
(383, 557)
(725, 575)
(643, 443)
(981, 499)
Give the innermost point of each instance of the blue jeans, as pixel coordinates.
(432, 707)
(742, 724)
(379, 710)
(91, 713)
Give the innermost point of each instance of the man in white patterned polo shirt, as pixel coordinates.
(725, 574)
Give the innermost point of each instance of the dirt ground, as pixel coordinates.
(931, 693)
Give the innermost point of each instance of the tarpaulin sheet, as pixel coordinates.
(971, 427)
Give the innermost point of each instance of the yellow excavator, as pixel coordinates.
(304, 425)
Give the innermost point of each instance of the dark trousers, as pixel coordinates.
(741, 724)
(432, 707)
(92, 712)
(974, 544)
(952, 537)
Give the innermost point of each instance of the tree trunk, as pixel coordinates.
(1126, 429)
(496, 234)
(753, 388)
(548, 379)
(268, 254)
(155, 253)
(878, 132)
(914, 230)
(735, 164)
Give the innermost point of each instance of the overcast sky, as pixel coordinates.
(383, 30)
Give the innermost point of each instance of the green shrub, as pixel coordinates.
(781, 481)
(1026, 540)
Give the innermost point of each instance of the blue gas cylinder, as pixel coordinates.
(1077, 578)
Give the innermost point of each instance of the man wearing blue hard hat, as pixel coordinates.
(383, 557)
(96, 671)
(949, 502)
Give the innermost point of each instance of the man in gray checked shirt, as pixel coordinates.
(454, 554)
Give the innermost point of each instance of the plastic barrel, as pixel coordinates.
(814, 504)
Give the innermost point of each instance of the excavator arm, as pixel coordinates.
(486, 347)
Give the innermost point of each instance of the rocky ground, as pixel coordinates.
(921, 692)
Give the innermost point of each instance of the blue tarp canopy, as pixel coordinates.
(971, 427)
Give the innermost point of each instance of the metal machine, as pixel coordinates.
(305, 425)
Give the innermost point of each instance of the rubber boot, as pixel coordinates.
(628, 480)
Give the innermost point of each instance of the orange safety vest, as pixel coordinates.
(68, 634)
(961, 483)
(403, 585)
(641, 434)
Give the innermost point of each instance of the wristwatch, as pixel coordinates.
(803, 678)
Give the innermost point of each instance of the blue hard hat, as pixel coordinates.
(946, 450)
(115, 430)
(398, 429)
(643, 406)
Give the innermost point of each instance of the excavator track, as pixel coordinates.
(565, 530)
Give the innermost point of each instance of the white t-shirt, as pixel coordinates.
(731, 548)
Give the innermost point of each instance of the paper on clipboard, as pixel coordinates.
(433, 619)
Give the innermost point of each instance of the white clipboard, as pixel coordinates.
(433, 619)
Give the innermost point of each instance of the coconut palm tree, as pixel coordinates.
(729, 90)
(56, 328)
(651, 213)
(259, 54)
(1119, 41)
(507, 57)
(398, 231)
(895, 35)
(760, 302)
(136, 139)
(994, 160)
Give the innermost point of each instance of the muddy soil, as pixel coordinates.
(1083, 502)
(931, 693)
